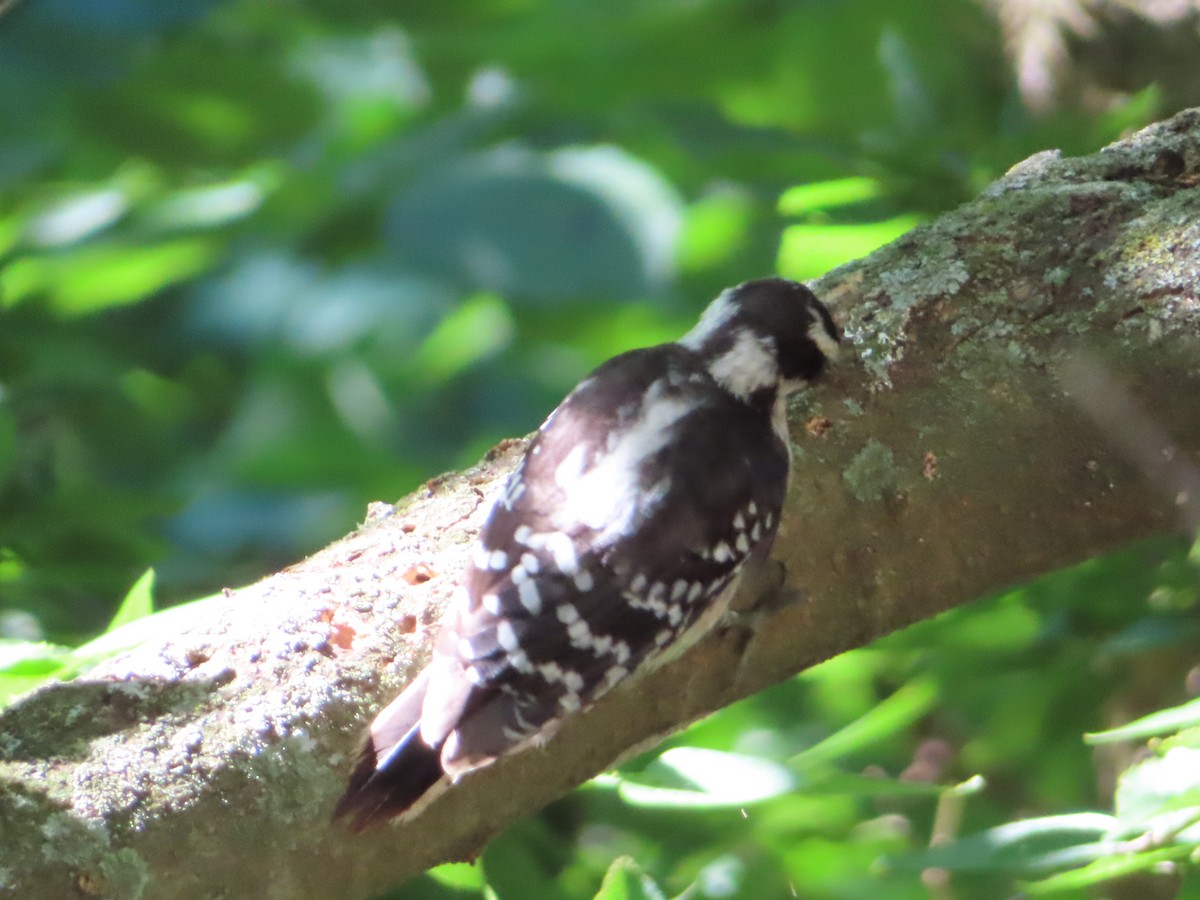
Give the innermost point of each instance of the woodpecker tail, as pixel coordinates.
(396, 768)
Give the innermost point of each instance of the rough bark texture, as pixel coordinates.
(945, 461)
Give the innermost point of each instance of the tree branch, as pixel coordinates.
(946, 462)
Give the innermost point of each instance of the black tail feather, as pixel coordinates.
(376, 794)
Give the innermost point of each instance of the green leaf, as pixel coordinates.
(806, 251)
(138, 603)
(522, 862)
(698, 778)
(30, 657)
(140, 630)
(1161, 795)
(1029, 846)
(25, 665)
(808, 198)
(480, 327)
(1109, 867)
(1164, 721)
(625, 880)
(99, 275)
(851, 785)
(461, 876)
(895, 713)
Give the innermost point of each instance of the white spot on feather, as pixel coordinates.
(579, 633)
(506, 637)
(614, 676)
(527, 593)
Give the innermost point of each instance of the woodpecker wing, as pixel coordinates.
(633, 511)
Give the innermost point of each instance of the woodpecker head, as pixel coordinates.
(770, 334)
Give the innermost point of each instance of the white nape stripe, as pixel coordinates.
(748, 366)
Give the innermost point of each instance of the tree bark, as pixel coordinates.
(947, 459)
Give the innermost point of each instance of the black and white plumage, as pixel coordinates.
(616, 543)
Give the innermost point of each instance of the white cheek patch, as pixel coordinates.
(818, 334)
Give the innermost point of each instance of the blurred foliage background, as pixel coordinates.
(262, 263)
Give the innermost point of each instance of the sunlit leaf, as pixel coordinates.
(820, 195)
(715, 229)
(25, 665)
(138, 603)
(95, 276)
(1161, 794)
(895, 713)
(1105, 869)
(694, 777)
(625, 880)
(1163, 721)
(1028, 846)
(851, 785)
(810, 250)
(140, 630)
(463, 876)
(479, 328)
